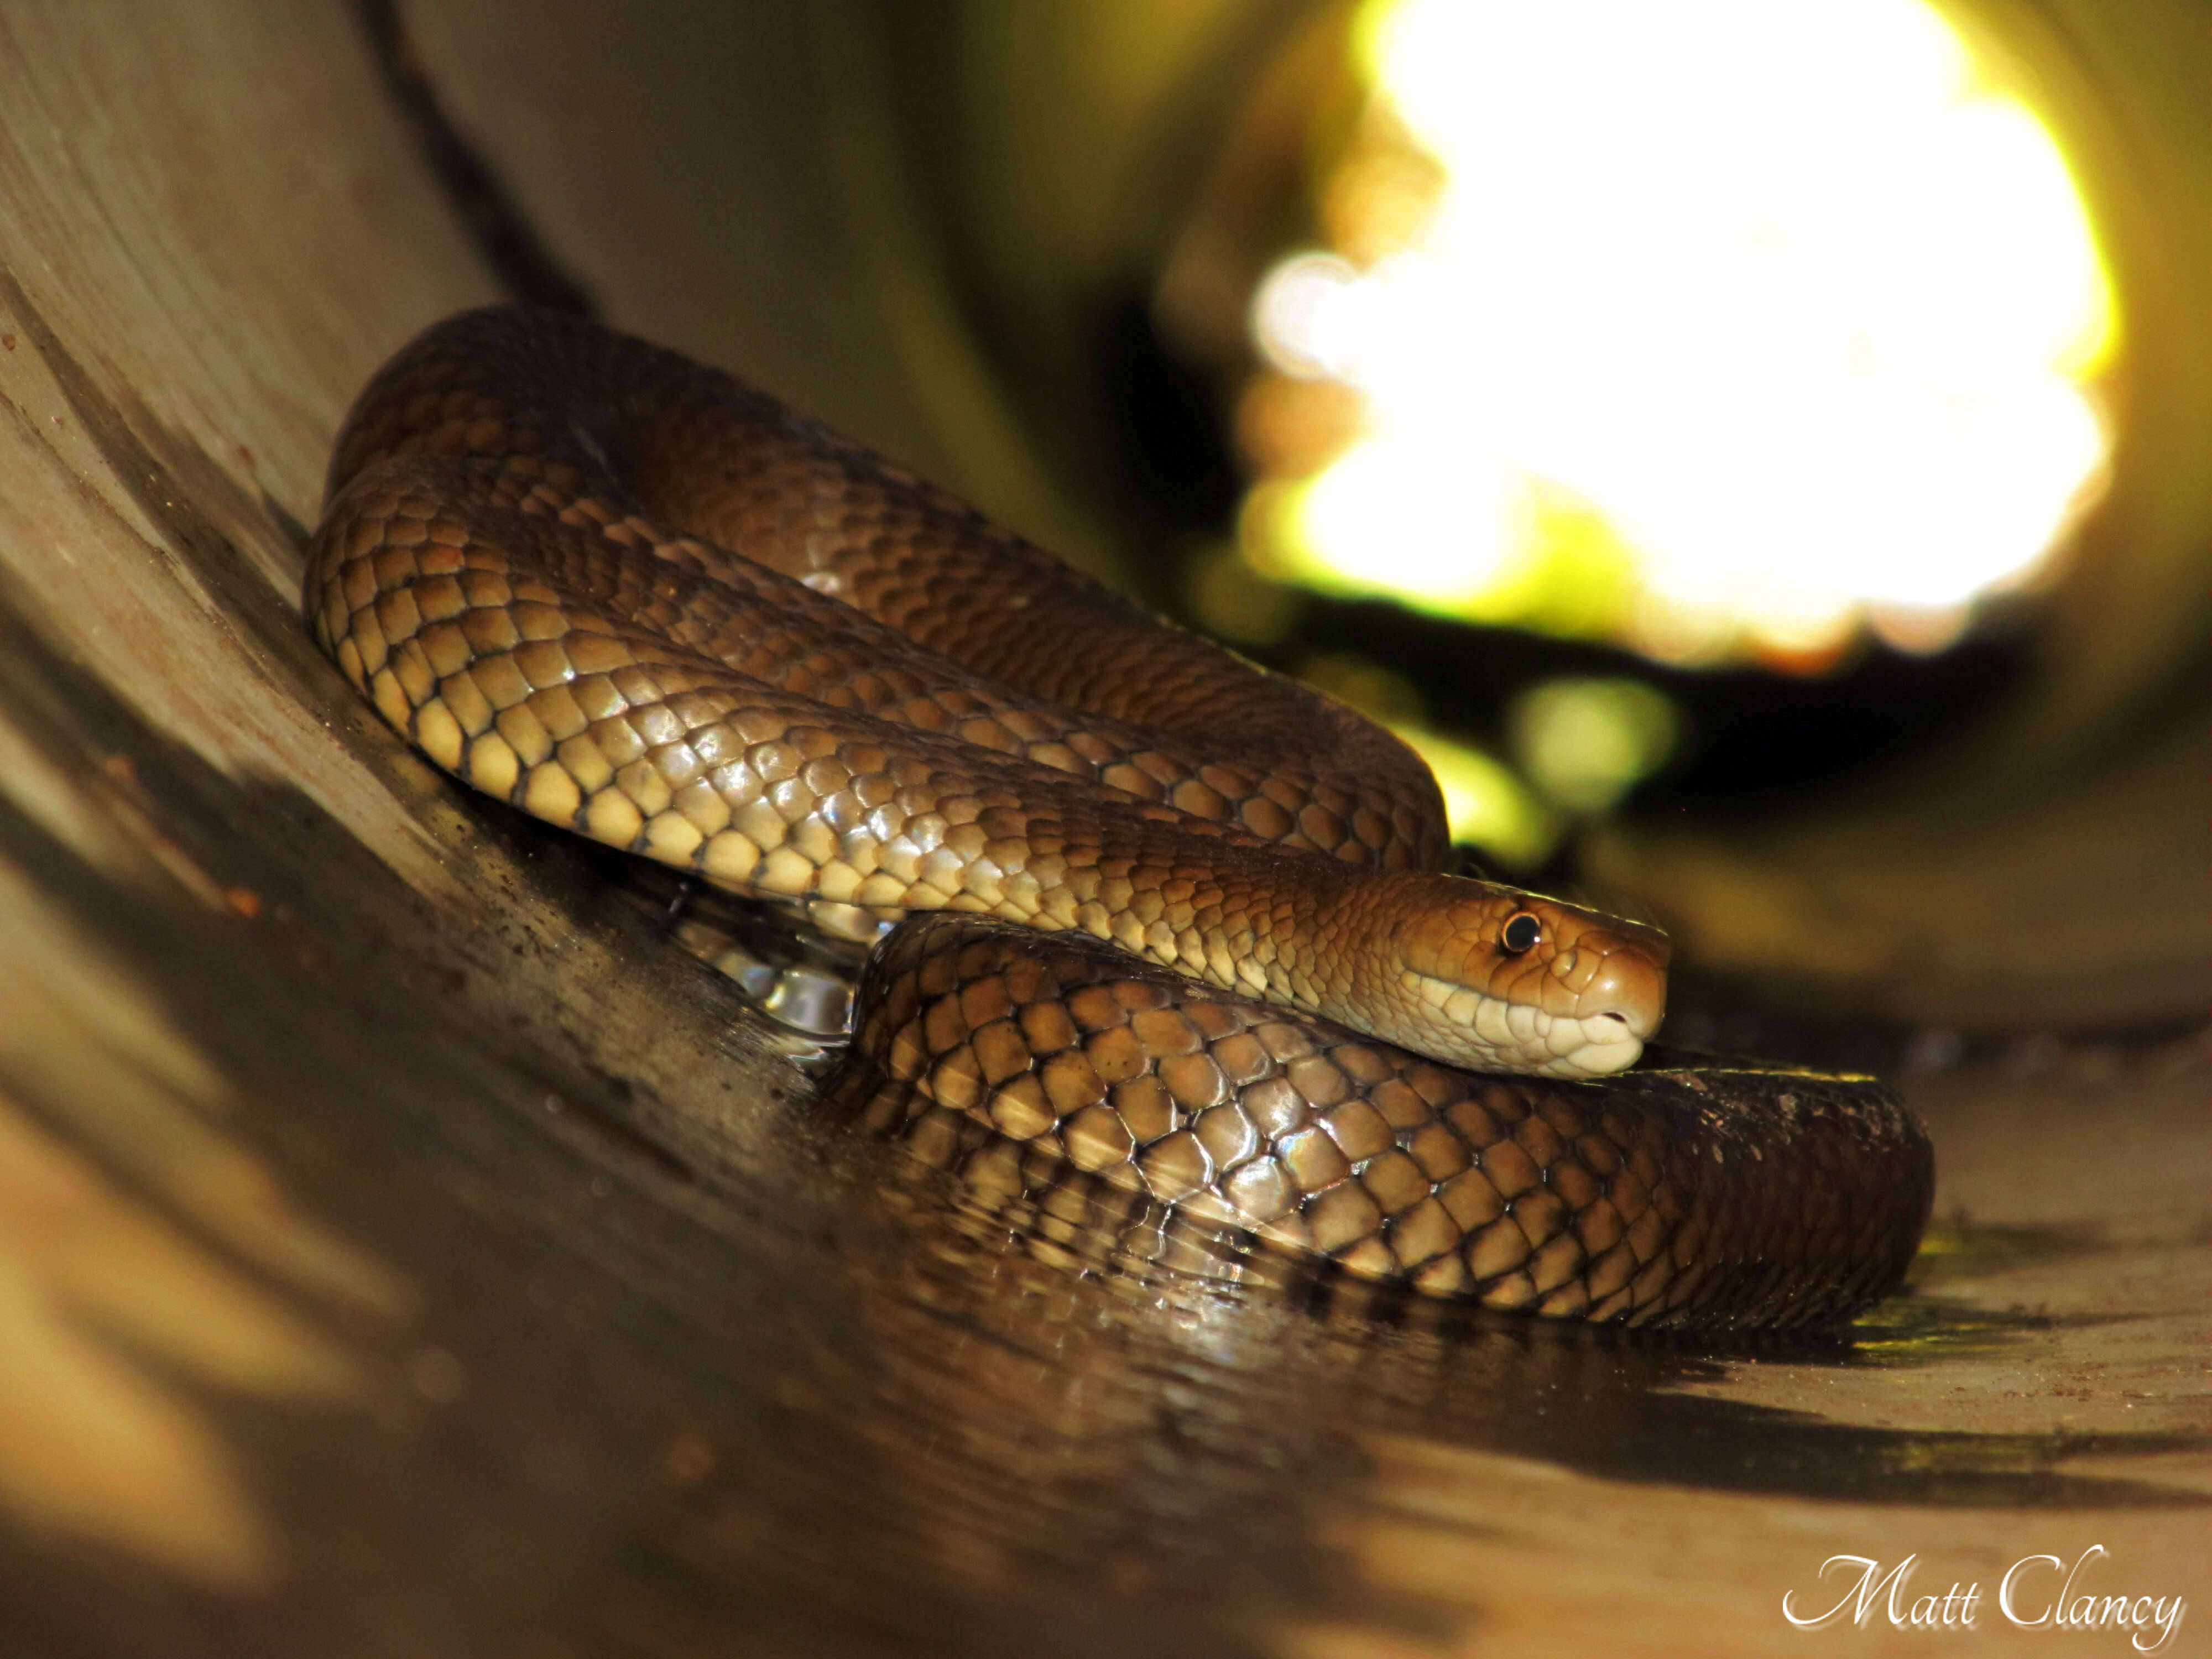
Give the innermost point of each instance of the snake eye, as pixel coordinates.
(1521, 933)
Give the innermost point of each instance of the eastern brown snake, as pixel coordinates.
(650, 604)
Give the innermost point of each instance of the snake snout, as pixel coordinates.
(1609, 992)
(1617, 979)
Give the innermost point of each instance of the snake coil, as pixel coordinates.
(652, 605)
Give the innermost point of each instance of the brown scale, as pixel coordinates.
(694, 448)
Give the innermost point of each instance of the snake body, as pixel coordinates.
(648, 603)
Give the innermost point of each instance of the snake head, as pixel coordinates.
(1506, 980)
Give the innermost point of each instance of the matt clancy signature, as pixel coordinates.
(2025, 1598)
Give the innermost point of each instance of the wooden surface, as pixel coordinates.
(406, 1250)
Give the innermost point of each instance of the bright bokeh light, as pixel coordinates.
(1585, 743)
(1486, 806)
(1757, 321)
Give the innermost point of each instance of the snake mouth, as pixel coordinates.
(1492, 1033)
(1607, 1044)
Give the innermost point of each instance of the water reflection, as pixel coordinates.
(1123, 1325)
(1006, 1437)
